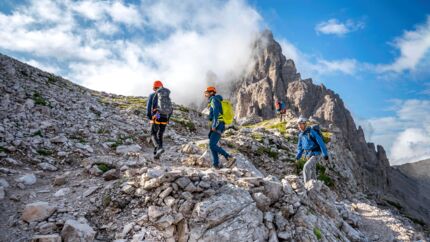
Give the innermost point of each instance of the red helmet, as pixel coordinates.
(158, 84)
(210, 89)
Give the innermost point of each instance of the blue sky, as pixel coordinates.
(373, 53)
(383, 21)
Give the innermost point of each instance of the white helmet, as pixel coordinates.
(302, 120)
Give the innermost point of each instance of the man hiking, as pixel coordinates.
(217, 128)
(281, 109)
(311, 145)
(158, 110)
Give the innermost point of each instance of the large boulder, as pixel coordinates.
(230, 215)
(37, 211)
(243, 163)
(74, 230)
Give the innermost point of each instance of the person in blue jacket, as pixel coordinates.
(217, 128)
(311, 145)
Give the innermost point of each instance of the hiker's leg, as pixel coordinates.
(154, 131)
(309, 170)
(160, 135)
(213, 140)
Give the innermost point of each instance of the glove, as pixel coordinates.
(325, 157)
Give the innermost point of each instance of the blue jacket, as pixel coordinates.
(215, 110)
(308, 146)
(151, 104)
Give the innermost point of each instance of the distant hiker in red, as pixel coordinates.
(158, 110)
(281, 109)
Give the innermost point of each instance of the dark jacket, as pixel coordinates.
(307, 145)
(151, 105)
(215, 111)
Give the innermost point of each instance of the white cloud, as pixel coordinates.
(125, 14)
(413, 46)
(336, 27)
(405, 135)
(121, 48)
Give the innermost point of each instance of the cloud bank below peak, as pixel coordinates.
(122, 48)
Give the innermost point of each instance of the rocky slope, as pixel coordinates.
(410, 189)
(76, 165)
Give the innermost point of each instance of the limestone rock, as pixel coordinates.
(37, 211)
(231, 215)
(74, 230)
(46, 238)
(124, 149)
(28, 179)
(111, 175)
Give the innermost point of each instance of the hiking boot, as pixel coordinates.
(231, 160)
(219, 166)
(158, 153)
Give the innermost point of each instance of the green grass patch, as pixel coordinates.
(317, 233)
(203, 146)
(300, 164)
(280, 126)
(322, 176)
(184, 109)
(106, 200)
(37, 133)
(44, 152)
(39, 99)
(230, 145)
(2, 149)
(53, 79)
(257, 136)
(117, 143)
(103, 167)
(265, 150)
(185, 123)
(103, 131)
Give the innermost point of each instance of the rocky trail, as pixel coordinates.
(76, 165)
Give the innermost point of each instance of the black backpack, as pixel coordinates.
(164, 103)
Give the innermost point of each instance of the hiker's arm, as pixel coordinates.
(149, 107)
(320, 142)
(215, 113)
(299, 148)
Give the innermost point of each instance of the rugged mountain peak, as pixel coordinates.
(276, 78)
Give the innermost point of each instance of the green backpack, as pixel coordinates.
(227, 112)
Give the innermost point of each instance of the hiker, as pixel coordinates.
(281, 109)
(217, 128)
(158, 110)
(311, 145)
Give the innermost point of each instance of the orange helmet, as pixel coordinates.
(158, 84)
(211, 89)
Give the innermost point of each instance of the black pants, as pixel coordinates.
(157, 131)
